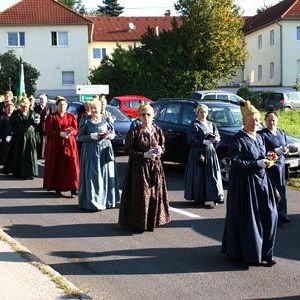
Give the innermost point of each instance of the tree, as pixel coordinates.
(9, 74)
(263, 9)
(73, 4)
(111, 8)
(214, 41)
(205, 49)
(296, 86)
(120, 71)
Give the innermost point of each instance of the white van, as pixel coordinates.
(216, 95)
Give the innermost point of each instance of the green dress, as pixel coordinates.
(22, 154)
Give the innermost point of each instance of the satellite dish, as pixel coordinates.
(131, 26)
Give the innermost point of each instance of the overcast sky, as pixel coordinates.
(158, 7)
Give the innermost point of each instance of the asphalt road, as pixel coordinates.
(179, 261)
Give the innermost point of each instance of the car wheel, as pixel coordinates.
(225, 165)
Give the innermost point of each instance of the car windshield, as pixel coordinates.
(73, 107)
(225, 116)
(120, 117)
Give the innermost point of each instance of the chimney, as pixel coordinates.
(167, 13)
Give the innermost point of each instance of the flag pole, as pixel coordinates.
(21, 86)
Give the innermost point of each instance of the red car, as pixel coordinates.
(129, 104)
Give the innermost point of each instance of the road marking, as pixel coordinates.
(185, 213)
(176, 210)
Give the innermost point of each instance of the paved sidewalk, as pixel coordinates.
(24, 277)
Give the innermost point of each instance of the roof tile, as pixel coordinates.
(117, 28)
(285, 9)
(41, 12)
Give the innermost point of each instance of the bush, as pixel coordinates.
(255, 98)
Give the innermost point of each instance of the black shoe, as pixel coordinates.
(258, 264)
(58, 194)
(271, 263)
(220, 201)
(284, 219)
(209, 206)
(74, 193)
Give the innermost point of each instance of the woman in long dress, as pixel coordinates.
(275, 140)
(5, 131)
(61, 161)
(144, 203)
(21, 159)
(251, 220)
(98, 187)
(203, 182)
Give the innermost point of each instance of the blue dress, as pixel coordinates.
(277, 172)
(251, 220)
(98, 182)
(202, 180)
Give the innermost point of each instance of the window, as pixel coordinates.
(170, 113)
(260, 41)
(114, 102)
(209, 96)
(271, 70)
(188, 114)
(67, 77)
(259, 73)
(59, 38)
(222, 97)
(298, 66)
(16, 39)
(271, 37)
(99, 53)
(298, 33)
(135, 104)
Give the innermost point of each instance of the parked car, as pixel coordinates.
(281, 100)
(129, 104)
(121, 125)
(175, 117)
(216, 94)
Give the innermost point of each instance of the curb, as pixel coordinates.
(69, 289)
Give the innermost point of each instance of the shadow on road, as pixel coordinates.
(33, 192)
(146, 261)
(287, 245)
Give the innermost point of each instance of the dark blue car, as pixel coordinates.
(174, 117)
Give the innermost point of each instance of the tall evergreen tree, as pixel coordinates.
(111, 8)
(73, 4)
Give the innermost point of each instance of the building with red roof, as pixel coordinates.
(126, 31)
(273, 45)
(52, 38)
(63, 44)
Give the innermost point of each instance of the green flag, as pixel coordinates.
(21, 86)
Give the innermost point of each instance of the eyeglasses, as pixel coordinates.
(144, 115)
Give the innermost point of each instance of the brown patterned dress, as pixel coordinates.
(144, 203)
